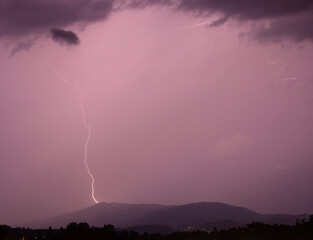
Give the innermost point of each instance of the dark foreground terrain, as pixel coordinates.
(302, 230)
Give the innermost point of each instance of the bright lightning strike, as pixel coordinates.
(86, 126)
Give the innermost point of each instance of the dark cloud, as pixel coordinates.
(219, 22)
(289, 19)
(247, 9)
(62, 36)
(147, 3)
(295, 29)
(21, 18)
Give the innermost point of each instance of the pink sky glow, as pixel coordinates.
(180, 112)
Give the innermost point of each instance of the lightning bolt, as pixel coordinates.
(196, 25)
(282, 69)
(83, 114)
(286, 79)
(270, 61)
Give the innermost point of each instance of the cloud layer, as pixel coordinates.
(248, 10)
(20, 18)
(295, 28)
(286, 19)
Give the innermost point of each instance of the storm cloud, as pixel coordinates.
(20, 18)
(286, 19)
(248, 10)
(297, 29)
(62, 36)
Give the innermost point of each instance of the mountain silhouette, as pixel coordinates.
(202, 215)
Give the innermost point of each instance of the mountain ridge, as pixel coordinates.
(200, 214)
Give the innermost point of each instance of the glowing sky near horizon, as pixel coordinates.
(180, 112)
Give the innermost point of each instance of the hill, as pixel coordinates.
(202, 215)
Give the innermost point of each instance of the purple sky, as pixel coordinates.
(187, 101)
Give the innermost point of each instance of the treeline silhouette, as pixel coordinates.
(302, 230)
